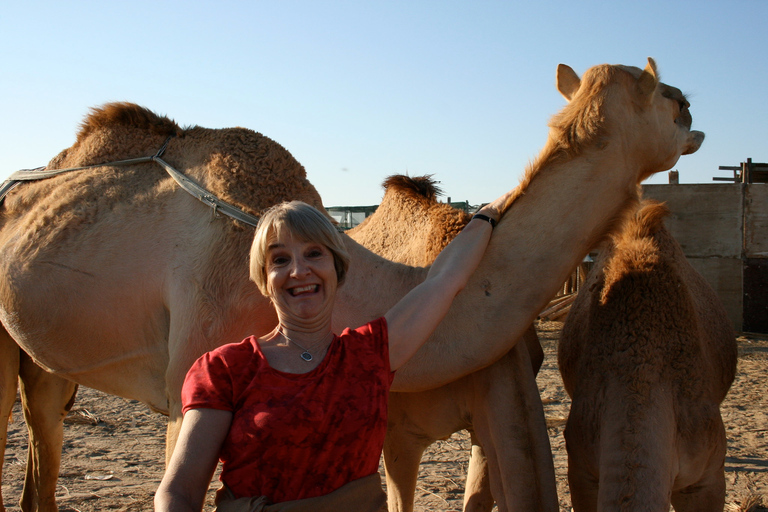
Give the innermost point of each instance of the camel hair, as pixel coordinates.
(499, 404)
(647, 354)
(153, 278)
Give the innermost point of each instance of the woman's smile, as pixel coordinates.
(303, 289)
(301, 277)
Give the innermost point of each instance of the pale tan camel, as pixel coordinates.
(117, 279)
(647, 353)
(410, 226)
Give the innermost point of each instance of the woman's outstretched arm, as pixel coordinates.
(412, 320)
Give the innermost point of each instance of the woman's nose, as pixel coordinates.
(299, 268)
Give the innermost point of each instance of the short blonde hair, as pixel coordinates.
(304, 222)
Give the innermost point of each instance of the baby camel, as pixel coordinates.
(647, 354)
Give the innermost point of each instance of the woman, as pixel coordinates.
(298, 417)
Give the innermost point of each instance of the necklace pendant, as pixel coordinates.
(306, 356)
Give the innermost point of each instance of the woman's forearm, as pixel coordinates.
(167, 501)
(461, 257)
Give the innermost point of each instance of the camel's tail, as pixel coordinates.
(637, 449)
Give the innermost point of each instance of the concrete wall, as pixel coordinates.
(723, 230)
(756, 221)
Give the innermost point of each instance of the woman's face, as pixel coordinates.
(301, 277)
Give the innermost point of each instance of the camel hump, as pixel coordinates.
(420, 186)
(129, 115)
(646, 222)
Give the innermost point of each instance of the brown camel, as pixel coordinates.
(151, 277)
(410, 226)
(647, 353)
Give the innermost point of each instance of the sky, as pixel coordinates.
(360, 90)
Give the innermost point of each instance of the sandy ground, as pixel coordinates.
(114, 449)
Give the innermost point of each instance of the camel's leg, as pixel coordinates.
(174, 381)
(46, 399)
(402, 455)
(9, 376)
(705, 496)
(172, 434)
(508, 419)
(477, 492)
(583, 486)
(708, 494)
(535, 351)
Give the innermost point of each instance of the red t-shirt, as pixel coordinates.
(297, 436)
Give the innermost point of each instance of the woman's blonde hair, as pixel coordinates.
(303, 222)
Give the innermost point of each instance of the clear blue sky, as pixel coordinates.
(358, 90)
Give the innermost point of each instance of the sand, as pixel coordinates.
(114, 449)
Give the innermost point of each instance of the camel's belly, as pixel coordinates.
(111, 347)
(92, 315)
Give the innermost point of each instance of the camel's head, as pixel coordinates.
(630, 106)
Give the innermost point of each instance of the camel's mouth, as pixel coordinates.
(695, 139)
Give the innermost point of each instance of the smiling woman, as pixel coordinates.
(300, 414)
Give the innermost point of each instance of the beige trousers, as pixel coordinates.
(362, 495)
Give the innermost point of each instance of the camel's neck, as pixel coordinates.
(372, 286)
(565, 209)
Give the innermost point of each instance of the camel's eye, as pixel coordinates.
(678, 98)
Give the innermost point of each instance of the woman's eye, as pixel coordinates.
(279, 260)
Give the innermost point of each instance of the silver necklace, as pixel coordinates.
(304, 355)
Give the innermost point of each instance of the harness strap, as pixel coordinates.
(186, 183)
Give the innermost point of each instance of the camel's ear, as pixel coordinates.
(568, 81)
(648, 81)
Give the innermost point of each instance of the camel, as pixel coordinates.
(647, 354)
(153, 277)
(411, 227)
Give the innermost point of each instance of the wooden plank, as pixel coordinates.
(552, 310)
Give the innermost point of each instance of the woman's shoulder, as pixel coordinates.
(376, 328)
(231, 354)
(371, 338)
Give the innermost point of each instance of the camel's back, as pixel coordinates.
(410, 226)
(66, 212)
(645, 315)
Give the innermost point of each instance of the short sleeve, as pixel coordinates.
(374, 353)
(380, 338)
(207, 385)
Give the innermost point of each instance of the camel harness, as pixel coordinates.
(188, 184)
